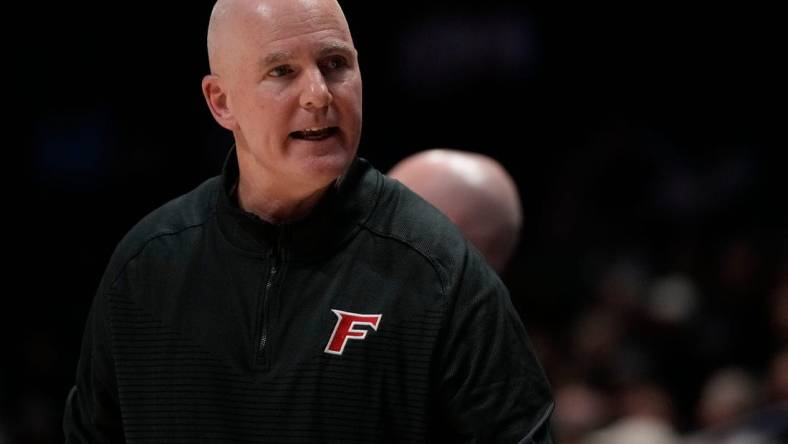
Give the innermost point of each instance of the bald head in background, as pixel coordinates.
(474, 191)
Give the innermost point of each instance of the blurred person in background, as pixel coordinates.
(645, 415)
(778, 312)
(777, 379)
(733, 410)
(474, 191)
(727, 396)
(580, 410)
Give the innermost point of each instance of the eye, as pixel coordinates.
(335, 63)
(280, 71)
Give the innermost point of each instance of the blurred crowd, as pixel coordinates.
(666, 359)
(665, 322)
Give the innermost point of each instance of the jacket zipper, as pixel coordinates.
(264, 330)
(272, 271)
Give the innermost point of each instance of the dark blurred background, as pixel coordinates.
(647, 140)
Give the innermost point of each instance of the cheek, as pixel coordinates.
(348, 99)
(355, 90)
(270, 115)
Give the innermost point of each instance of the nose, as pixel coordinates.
(315, 94)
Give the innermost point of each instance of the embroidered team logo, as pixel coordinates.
(345, 329)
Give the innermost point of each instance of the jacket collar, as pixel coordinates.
(334, 221)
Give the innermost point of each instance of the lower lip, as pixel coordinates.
(324, 144)
(333, 134)
(317, 140)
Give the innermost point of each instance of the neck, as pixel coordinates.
(272, 197)
(273, 206)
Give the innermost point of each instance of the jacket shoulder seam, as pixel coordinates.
(144, 244)
(433, 261)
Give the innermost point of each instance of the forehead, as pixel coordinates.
(295, 22)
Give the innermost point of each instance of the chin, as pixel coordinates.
(323, 169)
(320, 162)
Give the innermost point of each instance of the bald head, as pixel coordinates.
(474, 191)
(233, 20)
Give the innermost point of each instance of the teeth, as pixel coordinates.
(313, 133)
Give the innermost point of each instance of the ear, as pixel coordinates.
(216, 97)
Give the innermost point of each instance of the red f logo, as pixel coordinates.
(345, 329)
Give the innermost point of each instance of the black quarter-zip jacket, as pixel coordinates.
(371, 320)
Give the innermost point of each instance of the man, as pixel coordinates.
(300, 296)
(474, 191)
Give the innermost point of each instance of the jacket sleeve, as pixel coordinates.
(491, 386)
(92, 413)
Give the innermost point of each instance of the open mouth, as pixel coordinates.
(315, 133)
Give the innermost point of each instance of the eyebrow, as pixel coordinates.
(278, 57)
(334, 47)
